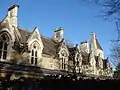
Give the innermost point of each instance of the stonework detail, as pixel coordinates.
(22, 46)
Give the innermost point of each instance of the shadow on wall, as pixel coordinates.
(20, 69)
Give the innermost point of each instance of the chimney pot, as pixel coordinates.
(15, 5)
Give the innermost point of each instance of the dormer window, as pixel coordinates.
(34, 56)
(64, 58)
(63, 63)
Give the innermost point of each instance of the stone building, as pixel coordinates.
(18, 45)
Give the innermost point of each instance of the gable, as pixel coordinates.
(62, 46)
(35, 37)
(50, 46)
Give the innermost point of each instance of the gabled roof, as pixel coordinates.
(98, 44)
(85, 60)
(50, 47)
(71, 52)
(24, 34)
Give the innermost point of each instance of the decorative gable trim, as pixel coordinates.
(35, 36)
(63, 47)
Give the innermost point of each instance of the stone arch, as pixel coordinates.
(63, 55)
(5, 30)
(35, 51)
(5, 45)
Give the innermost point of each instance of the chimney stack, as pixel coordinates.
(13, 14)
(58, 34)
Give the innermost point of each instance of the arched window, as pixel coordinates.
(64, 56)
(63, 63)
(4, 42)
(78, 59)
(34, 55)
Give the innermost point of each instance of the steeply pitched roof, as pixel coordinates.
(98, 44)
(71, 52)
(24, 34)
(85, 60)
(50, 47)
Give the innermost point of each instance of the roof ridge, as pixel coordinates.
(46, 37)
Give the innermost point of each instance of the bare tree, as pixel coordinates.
(115, 52)
(111, 8)
(69, 44)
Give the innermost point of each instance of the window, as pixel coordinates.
(63, 63)
(78, 59)
(63, 59)
(34, 55)
(4, 40)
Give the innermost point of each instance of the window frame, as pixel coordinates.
(34, 54)
(64, 58)
(5, 40)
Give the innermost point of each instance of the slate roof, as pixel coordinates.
(85, 60)
(86, 57)
(98, 44)
(50, 46)
(72, 53)
(24, 34)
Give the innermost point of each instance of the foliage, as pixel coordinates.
(118, 67)
(111, 8)
(69, 44)
(115, 52)
(117, 72)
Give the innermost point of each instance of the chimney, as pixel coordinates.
(77, 45)
(84, 46)
(13, 13)
(58, 34)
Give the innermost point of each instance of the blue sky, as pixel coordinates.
(77, 18)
